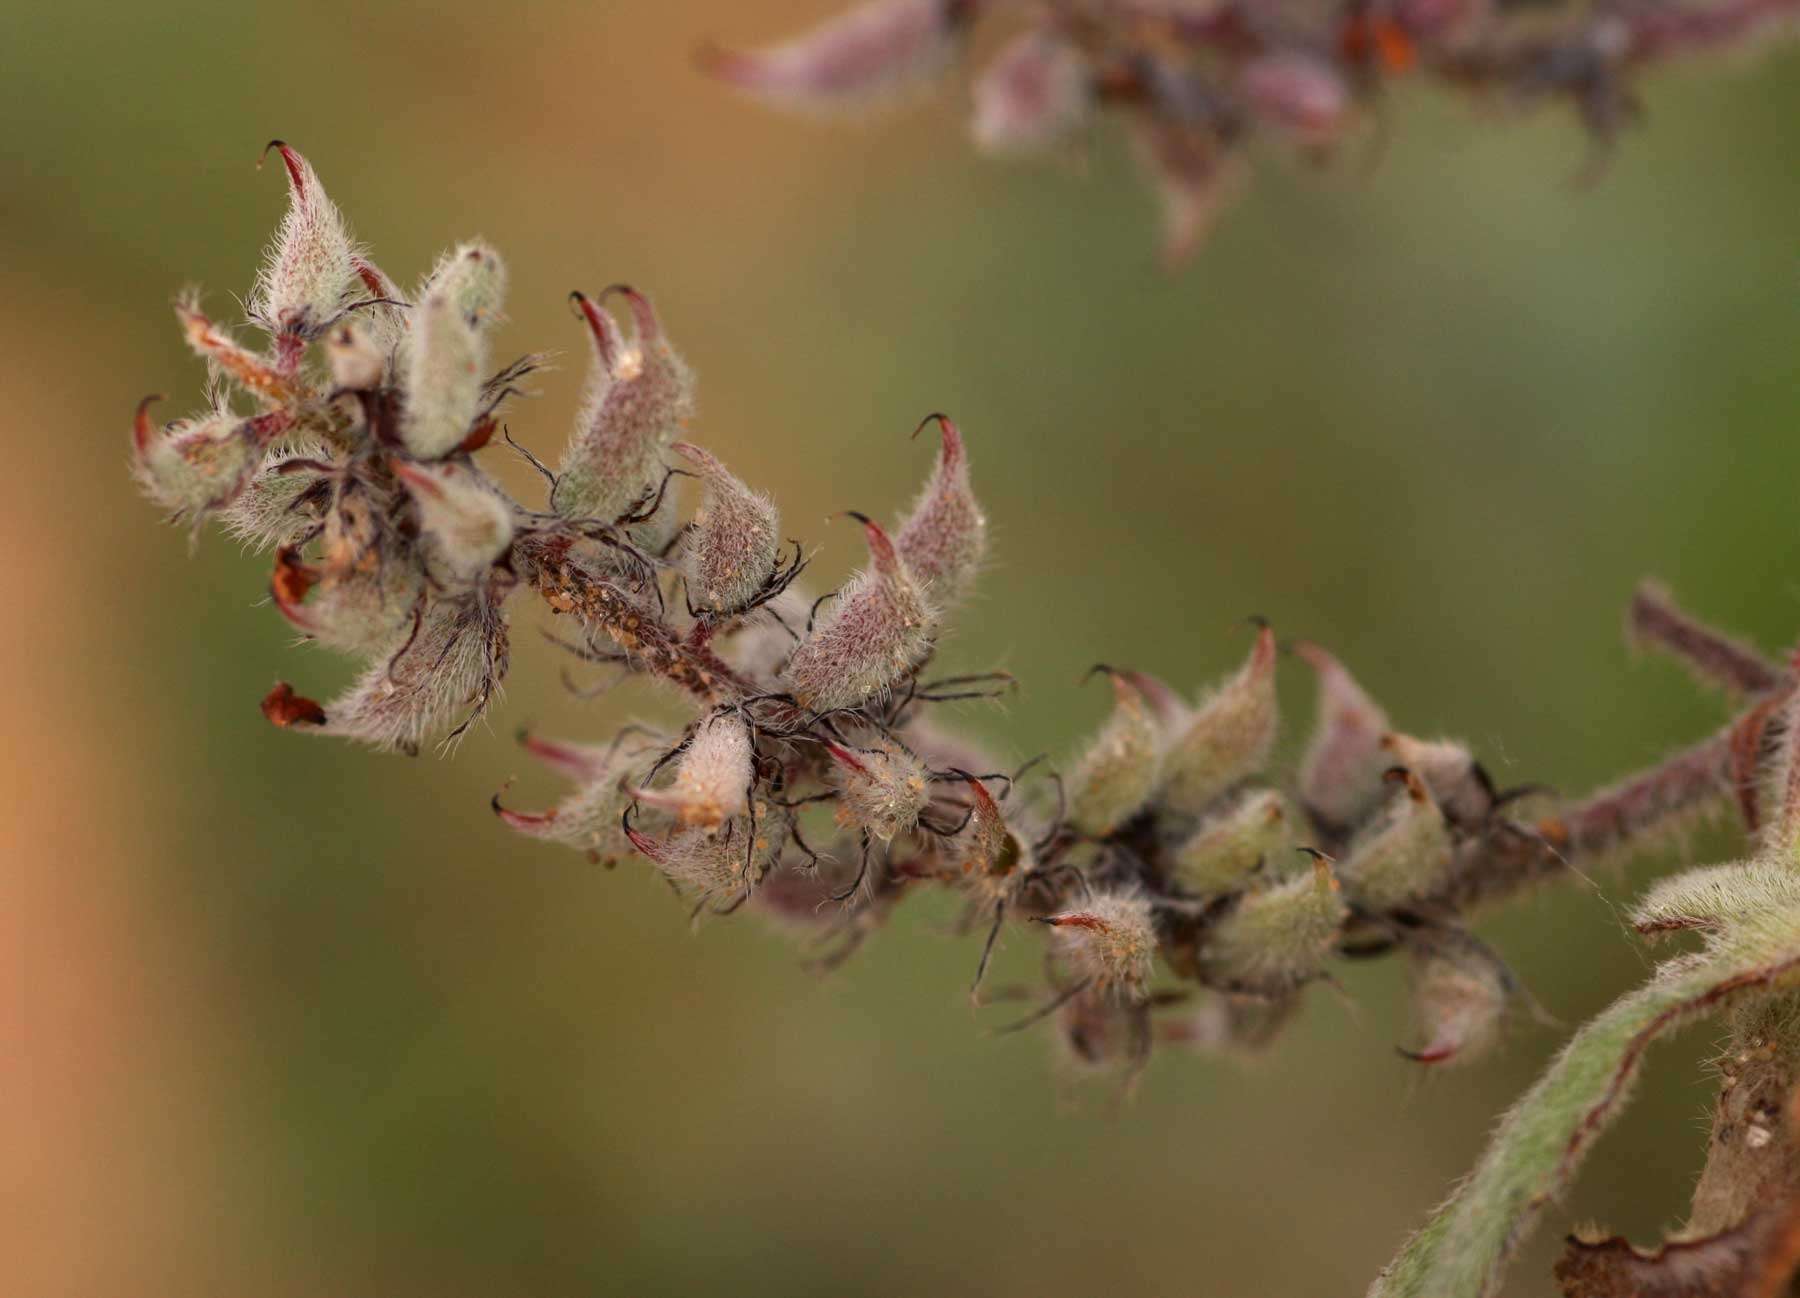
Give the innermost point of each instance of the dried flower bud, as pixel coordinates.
(356, 360)
(712, 779)
(1227, 851)
(1298, 92)
(225, 357)
(589, 819)
(310, 268)
(732, 548)
(284, 708)
(881, 790)
(870, 54)
(1460, 991)
(876, 630)
(1456, 780)
(1110, 939)
(1340, 774)
(1278, 937)
(944, 538)
(640, 396)
(1404, 854)
(197, 465)
(282, 499)
(442, 365)
(1114, 778)
(468, 523)
(1229, 736)
(1035, 93)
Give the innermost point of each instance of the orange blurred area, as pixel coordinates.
(285, 1018)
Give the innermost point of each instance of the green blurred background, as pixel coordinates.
(283, 1018)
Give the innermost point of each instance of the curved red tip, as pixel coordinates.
(282, 707)
(643, 315)
(844, 757)
(521, 820)
(952, 450)
(142, 430)
(295, 164)
(605, 330)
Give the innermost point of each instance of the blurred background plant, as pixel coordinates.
(301, 1025)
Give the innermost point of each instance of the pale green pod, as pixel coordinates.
(1228, 737)
(1277, 937)
(197, 465)
(473, 276)
(442, 366)
(1231, 848)
(464, 519)
(269, 510)
(1115, 776)
(1404, 855)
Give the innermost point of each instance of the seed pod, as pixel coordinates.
(357, 363)
(1299, 93)
(1034, 94)
(876, 630)
(366, 587)
(712, 777)
(870, 54)
(473, 277)
(310, 268)
(731, 551)
(882, 790)
(1226, 852)
(944, 538)
(1403, 856)
(198, 465)
(1229, 736)
(989, 855)
(589, 818)
(282, 500)
(1278, 937)
(1114, 778)
(721, 866)
(640, 396)
(1110, 939)
(1340, 774)
(441, 367)
(1456, 780)
(1460, 991)
(466, 521)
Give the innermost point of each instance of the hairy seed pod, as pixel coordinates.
(1460, 990)
(1034, 94)
(877, 630)
(283, 498)
(1227, 851)
(990, 857)
(1110, 939)
(441, 366)
(201, 464)
(1340, 773)
(589, 818)
(310, 267)
(357, 363)
(473, 277)
(712, 777)
(1114, 778)
(640, 396)
(1404, 854)
(367, 585)
(1229, 736)
(1276, 938)
(721, 866)
(881, 790)
(1456, 780)
(465, 519)
(731, 551)
(944, 538)
(874, 52)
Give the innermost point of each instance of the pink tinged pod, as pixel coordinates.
(944, 538)
(1229, 736)
(712, 778)
(1115, 777)
(1194, 176)
(466, 521)
(1340, 773)
(202, 464)
(1034, 94)
(1404, 855)
(881, 791)
(720, 866)
(1299, 93)
(1460, 992)
(867, 55)
(876, 631)
(731, 550)
(1456, 780)
(640, 397)
(312, 264)
(1109, 939)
